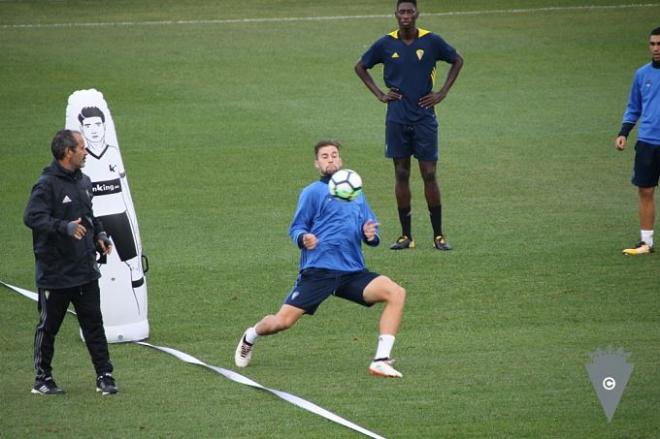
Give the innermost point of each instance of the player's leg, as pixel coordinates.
(646, 173)
(52, 306)
(433, 201)
(312, 287)
(368, 288)
(647, 213)
(403, 202)
(88, 310)
(393, 296)
(426, 153)
(285, 318)
(398, 147)
(427, 170)
(402, 190)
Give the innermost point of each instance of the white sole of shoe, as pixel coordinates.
(383, 375)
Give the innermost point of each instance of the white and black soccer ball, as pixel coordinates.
(345, 184)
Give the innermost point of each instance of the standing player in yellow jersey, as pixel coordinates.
(409, 56)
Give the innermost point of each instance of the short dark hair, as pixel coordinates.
(63, 140)
(655, 31)
(398, 2)
(325, 142)
(91, 112)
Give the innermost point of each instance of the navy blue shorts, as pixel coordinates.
(647, 165)
(314, 285)
(419, 140)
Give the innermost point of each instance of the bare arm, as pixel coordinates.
(432, 98)
(364, 75)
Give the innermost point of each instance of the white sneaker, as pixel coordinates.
(243, 353)
(641, 248)
(383, 368)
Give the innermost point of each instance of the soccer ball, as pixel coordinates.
(345, 184)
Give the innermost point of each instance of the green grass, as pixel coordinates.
(216, 124)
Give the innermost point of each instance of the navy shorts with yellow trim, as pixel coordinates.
(419, 140)
(646, 171)
(314, 285)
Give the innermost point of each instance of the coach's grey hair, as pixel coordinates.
(63, 140)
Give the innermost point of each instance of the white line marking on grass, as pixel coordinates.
(236, 377)
(323, 18)
(288, 397)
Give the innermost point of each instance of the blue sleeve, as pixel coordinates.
(634, 108)
(368, 214)
(374, 55)
(302, 218)
(444, 51)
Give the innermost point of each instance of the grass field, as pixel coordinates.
(216, 120)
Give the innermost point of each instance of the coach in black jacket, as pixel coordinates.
(66, 237)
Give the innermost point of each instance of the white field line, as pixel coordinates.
(324, 18)
(236, 377)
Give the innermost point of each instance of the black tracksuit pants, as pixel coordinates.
(52, 308)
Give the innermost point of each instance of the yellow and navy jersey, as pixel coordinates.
(411, 69)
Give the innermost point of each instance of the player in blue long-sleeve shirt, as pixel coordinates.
(644, 107)
(336, 226)
(329, 231)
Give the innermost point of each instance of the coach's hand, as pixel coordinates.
(76, 229)
(103, 244)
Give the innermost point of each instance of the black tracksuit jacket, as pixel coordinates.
(59, 197)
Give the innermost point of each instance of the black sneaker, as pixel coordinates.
(403, 243)
(441, 243)
(46, 386)
(106, 384)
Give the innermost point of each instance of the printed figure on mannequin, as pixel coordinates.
(110, 202)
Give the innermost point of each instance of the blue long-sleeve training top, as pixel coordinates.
(644, 104)
(337, 225)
